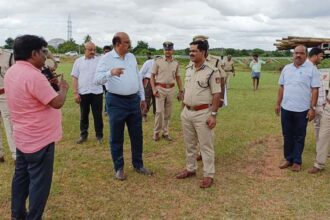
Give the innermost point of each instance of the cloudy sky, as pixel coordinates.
(240, 24)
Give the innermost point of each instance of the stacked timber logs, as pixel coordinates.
(290, 42)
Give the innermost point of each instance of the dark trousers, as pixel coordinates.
(94, 101)
(33, 178)
(125, 110)
(150, 99)
(105, 93)
(294, 126)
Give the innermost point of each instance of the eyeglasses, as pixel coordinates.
(44, 51)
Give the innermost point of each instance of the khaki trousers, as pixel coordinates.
(163, 110)
(323, 143)
(229, 75)
(195, 130)
(8, 128)
(317, 121)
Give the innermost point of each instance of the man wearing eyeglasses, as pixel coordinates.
(87, 94)
(125, 100)
(34, 109)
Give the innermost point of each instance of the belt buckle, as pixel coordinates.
(168, 86)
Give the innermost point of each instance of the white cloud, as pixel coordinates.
(238, 24)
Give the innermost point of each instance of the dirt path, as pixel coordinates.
(263, 159)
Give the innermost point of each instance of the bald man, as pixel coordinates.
(87, 94)
(125, 99)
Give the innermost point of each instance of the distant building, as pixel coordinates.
(55, 42)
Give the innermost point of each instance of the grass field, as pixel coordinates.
(248, 184)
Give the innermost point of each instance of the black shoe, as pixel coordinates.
(144, 171)
(100, 140)
(2, 159)
(81, 140)
(119, 175)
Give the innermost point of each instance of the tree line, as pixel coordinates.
(142, 48)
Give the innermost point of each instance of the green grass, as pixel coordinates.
(248, 184)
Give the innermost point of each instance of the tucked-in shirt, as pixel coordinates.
(35, 123)
(256, 66)
(85, 70)
(297, 83)
(146, 68)
(165, 71)
(228, 66)
(128, 83)
(201, 84)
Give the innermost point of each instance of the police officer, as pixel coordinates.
(6, 60)
(201, 100)
(165, 72)
(228, 67)
(216, 63)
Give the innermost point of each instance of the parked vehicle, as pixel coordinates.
(326, 49)
(57, 59)
(71, 53)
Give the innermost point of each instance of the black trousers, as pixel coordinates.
(94, 102)
(150, 99)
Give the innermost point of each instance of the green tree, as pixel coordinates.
(141, 47)
(230, 51)
(187, 51)
(99, 50)
(68, 46)
(244, 53)
(258, 51)
(52, 49)
(87, 38)
(9, 43)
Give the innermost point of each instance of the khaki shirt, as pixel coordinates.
(201, 84)
(228, 66)
(165, 71)
(5, 57)
(215, 62)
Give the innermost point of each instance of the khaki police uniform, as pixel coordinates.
(165, 72)
(200, 85)
(323, 142)
(228, 67)
(6, 60)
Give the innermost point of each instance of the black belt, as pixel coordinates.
(124, 96)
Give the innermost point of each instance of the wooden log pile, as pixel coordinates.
(290, 42)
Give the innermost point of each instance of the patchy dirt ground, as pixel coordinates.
(264, 157)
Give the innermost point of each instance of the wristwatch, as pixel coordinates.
(313, 107)
(214, 113)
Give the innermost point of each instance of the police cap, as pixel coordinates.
(167, 45)
(200, 37)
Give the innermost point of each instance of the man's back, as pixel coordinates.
(35, 123)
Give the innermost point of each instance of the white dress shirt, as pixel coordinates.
(85, 70)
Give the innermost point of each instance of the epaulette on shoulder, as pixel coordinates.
(190, 65)
(213, 57)
(209, 66)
